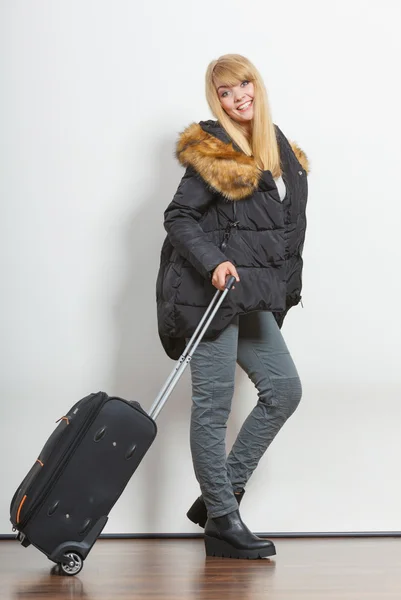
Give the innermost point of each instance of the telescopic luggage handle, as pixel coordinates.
(192, 345)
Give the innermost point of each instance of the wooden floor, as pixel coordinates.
(335, 569)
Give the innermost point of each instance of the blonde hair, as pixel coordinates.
(229, 70)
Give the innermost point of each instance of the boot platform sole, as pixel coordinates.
(221, 549)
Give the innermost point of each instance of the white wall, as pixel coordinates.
(93, 96)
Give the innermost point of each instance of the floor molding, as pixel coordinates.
(275, 535)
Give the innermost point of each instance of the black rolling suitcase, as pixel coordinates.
(63, 503)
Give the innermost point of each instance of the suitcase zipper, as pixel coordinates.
(63, 462)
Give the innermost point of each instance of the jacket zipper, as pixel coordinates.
(62, 464)
(230, 226)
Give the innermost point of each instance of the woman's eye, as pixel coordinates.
(244, 83)
(224, 94)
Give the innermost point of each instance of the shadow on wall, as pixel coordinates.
(141, 365)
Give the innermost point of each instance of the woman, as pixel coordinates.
(239, 210)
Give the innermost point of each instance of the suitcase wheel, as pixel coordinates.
(73, 566)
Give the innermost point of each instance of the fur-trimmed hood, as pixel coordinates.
(206, 148)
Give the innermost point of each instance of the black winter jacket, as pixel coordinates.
(225, 208)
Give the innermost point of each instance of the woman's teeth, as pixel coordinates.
(245, 106)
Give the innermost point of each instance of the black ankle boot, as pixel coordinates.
(198, 512)
(229, 537)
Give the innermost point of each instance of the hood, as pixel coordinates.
(207, 148)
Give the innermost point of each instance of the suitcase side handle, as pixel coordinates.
(192, 345)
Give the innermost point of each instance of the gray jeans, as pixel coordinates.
(255, 342)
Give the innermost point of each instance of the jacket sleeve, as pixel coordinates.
(181, 221)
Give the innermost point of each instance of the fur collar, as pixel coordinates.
(220, 163)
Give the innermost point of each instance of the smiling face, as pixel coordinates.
(237, 100)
